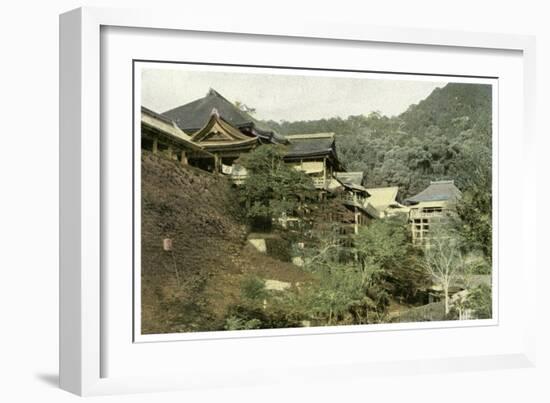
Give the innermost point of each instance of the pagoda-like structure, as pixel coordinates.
(221, 128)
(315, 154)
(433, 204)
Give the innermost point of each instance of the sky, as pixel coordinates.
(287, 97)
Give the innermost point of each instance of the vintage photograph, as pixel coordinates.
(272, 198)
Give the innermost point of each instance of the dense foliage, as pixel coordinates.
(385, 267)
(272, 188)
(475, 207)
(388, 260)
(480, 301)
(431, 140)
(445, 136)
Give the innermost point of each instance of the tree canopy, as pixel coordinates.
(272, 188)
(427, 142)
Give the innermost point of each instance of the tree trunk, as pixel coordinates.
(446, 292)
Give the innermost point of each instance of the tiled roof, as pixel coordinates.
(355, 178)
(166, 127)
(194, 115)
(161, 123)
(437, 191)
(309, 136)
(310, 147)
(382, 198)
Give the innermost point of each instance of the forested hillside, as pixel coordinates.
(445, 136)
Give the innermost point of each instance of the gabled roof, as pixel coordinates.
(356, 188)
(165, 127)
(437, 191)
(355, 178)
(365, 208)
(312, 145)
(194, 115)
(160, 122)
(218, 135)
(217, 129)
(382, 198)
(371, 210)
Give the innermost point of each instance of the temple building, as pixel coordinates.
(221, 128)
(314, 154)
(356, 198)
(211, 133)
(222, 140)
(194, 115)
(161, 136)
(433, 204)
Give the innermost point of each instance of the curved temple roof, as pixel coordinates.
(312, 145)
(161, 124)
(382, 198)
(436, 191)
(194, 115)
(355, 178)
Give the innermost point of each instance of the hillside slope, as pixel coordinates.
(190, 287)
(431, 140)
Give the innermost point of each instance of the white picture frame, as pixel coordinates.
(83, 343)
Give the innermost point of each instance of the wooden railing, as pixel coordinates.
(424, 214)
(354, 198)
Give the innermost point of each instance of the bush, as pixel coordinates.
(278, 248)
(244, 316)
(235, 323)
(480, 301)
(253, 288)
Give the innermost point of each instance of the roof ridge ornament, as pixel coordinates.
(215, 113)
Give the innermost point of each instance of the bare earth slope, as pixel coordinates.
(190, 287)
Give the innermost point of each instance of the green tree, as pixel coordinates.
(272, 188)
(475, 207)
(338, 297)
(387, 258)
(479, 300)
(253, 289)
(424, 143)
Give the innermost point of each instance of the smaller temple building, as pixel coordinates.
(431, 205)
(314, 154)
(355, 197)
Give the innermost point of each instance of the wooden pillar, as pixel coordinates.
(169, 152)
(356, 226)
(155, 145)
(217, 163)
(183, 158)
